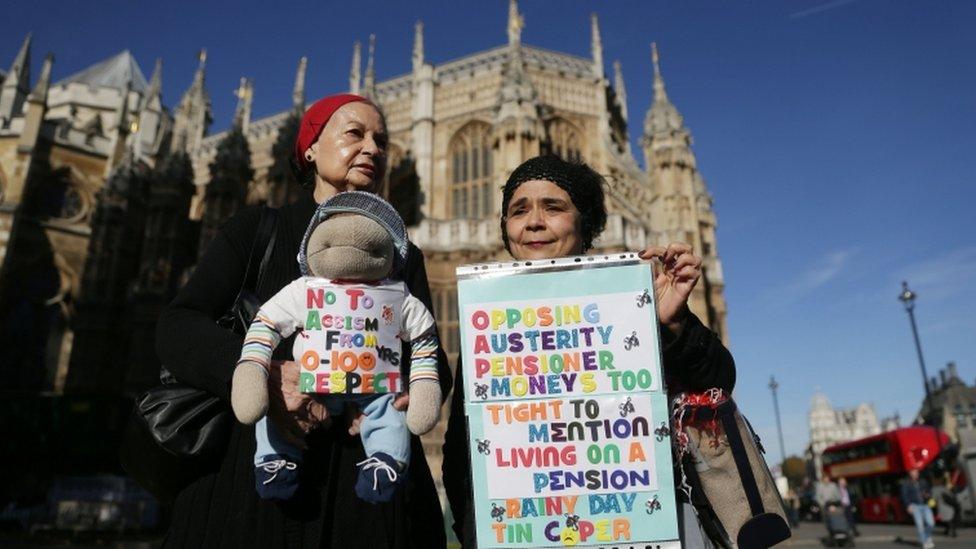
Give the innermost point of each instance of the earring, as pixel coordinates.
(308, 156)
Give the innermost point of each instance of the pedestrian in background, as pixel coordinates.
(947, 506)
(847, 502)
(793, 507)
(827, 491)
(915, 494)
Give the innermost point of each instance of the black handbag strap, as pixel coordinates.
(264, 240)
(741, 457)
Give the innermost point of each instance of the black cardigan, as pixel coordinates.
(223, 509)
(696, 360)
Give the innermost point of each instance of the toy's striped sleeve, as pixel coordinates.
(419, 328)
(423, 357)
(260, 341)
(277, 319)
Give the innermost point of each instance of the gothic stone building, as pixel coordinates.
(89, 145)
(59, 144)
(458, 129)
(829, 426)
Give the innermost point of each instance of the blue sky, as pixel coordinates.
(833, 135)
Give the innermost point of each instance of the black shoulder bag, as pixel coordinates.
(178, 433)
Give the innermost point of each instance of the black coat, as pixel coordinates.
(223, 509)
(696, 360)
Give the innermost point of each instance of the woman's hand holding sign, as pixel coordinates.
(674, 279)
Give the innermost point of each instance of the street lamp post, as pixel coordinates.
(779, 427)
(907, 298)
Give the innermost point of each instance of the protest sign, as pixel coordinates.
(350, 343)
(566, 410)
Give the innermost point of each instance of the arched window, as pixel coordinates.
(470, 154)
(564, 140)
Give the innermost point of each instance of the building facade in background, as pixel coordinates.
(458, 129)
(951, 404)
(108, 196)
(829, 426)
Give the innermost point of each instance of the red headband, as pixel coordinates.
(314, 120)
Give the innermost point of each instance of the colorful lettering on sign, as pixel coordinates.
(344, 346)
(564, 395)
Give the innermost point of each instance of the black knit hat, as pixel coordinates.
(583, 185)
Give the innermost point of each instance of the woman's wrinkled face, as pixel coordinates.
(350, 153)
(542, 223)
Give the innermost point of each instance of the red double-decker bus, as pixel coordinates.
(875, 466)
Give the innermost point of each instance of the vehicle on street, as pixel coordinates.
(875, 467)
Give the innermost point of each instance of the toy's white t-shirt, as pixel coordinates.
(348, 333)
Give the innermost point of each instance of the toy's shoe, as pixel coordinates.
(379, 477)
(276, 477)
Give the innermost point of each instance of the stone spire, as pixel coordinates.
(357, 63)
(150, 112)
(663, 117)
(193, 114)
(515, 24)
(242, 114)
(618, 86)
(664, 130)
(596, 46)
(518, 127)
(39, 94)
(16, 85)
(659, 93)
(517, 97)
(120, 134)
(682, 205)
(421, 148)
(35, 109)
(298, 92)
(155, 82)
(421, 130)
(369, 83)
(418, 45)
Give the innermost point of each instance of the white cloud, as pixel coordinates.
(819, 9)
(816, 276)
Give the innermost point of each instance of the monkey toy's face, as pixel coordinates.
(350, 247)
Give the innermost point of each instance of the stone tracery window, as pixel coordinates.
(470, 154)
(564, 140)
(74, 207)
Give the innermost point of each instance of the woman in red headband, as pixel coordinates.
(341, 145)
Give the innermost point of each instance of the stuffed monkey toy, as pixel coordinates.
(355, 242)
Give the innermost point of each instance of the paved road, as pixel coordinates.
(901, 536)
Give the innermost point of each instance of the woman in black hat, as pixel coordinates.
(552, 208)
